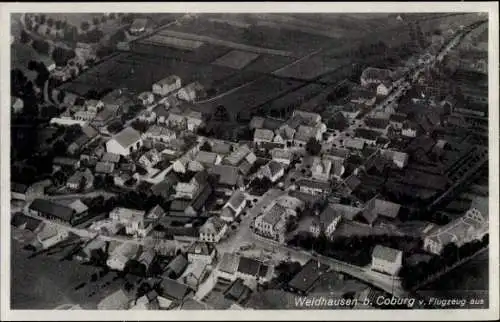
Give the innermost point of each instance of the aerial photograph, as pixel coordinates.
(249, 161)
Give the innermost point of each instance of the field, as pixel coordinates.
(21, 55)
(294, 98)
(139, 72)
(312, 67)
(269, 63)
(206, 53)
(259, 36)
(236, 59)
(177, 43)
(249, 97)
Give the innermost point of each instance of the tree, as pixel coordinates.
(43, 19)
(82, 183)
(85, 25)
(104, 19)
(41, 46)
(58, 24)
(50, 22)
(24, 38)
(61, 56)
(313, 146)
(206, 147)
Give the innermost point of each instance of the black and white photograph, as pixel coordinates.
(278, 160)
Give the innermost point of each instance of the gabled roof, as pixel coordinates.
(110, 157)
(274, 214)
(127, 137)
(201, 248)
(386, 253)
(309, 273)
(213, 225)
(249, 266)
(52, 208)
(206, 157)
(229, 263)
(263, 134)
(237, 199)
(174, 290)
(178, 264)
(104, 167)
(228, 175)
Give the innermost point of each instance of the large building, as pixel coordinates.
(387, 260)
(472, 226)
(53, 211)
(125, 142)
(167, 85)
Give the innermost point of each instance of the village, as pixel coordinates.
(383, 183)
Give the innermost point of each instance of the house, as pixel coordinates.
(66, 163)
(17, 104)
(21, 221)
(194, 120)
(228, 176)
(473, 225)
(81, 179)
(227, 266)
(19, 191)
(387, 260)
(174, 291)
(53, 211)
(149, 159)
(384, 88)
(166, 187)
(400, 159)
(104, 168)
(147, 116)
(118, 300)
(304, 280)
(307, 118)
(367, 135)
(361, 96)
(321, 168)
(154, 214)
(313, 187)
(250, 269)
(272, 223)
(146, 259)
(89, 135)
(238, 293)
(351, 110)
(397, 120)
(207, 159)
(201, 252)
(176, 120)
(176, 267)
(191, 92)
(377, 76)
(51, 235)
(138, 26)
(377, 123)
(263, 135)
(132, 219)
(213, 230)
(94, 250)
(305, 133)
(273, 170)
(284, 134)
(234, 206)
(167, 85)
(157, 133)
(190, 189)
(327, 222)
(410, 129)
(353, 143)
(121, 255)
(284, 156)
(197, 272)
(125, 142)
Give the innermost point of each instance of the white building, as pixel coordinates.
(158, 133)
(387, 260)
(132, 219)
(50, 235)
(191, 92)
(213, 230)
(167, 85)
(272, 223)
(234, 206)
(201, 252)
(125, 142)
(321, 169)
(327, 222)
(284, 156)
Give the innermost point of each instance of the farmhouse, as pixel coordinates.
(125, 142)
(213, 230)
(387, 260)
(192, 92)
(167, 85)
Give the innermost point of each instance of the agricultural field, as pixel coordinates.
(259, 36)
(269, 63)
(21, 55)
(252, 96)
(236, 59)
(312, 67)
(294, 98)
(206, 53)
(140, 72)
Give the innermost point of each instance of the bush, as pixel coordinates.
(313, 146)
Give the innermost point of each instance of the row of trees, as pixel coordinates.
(414, 275)
(356, 249)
